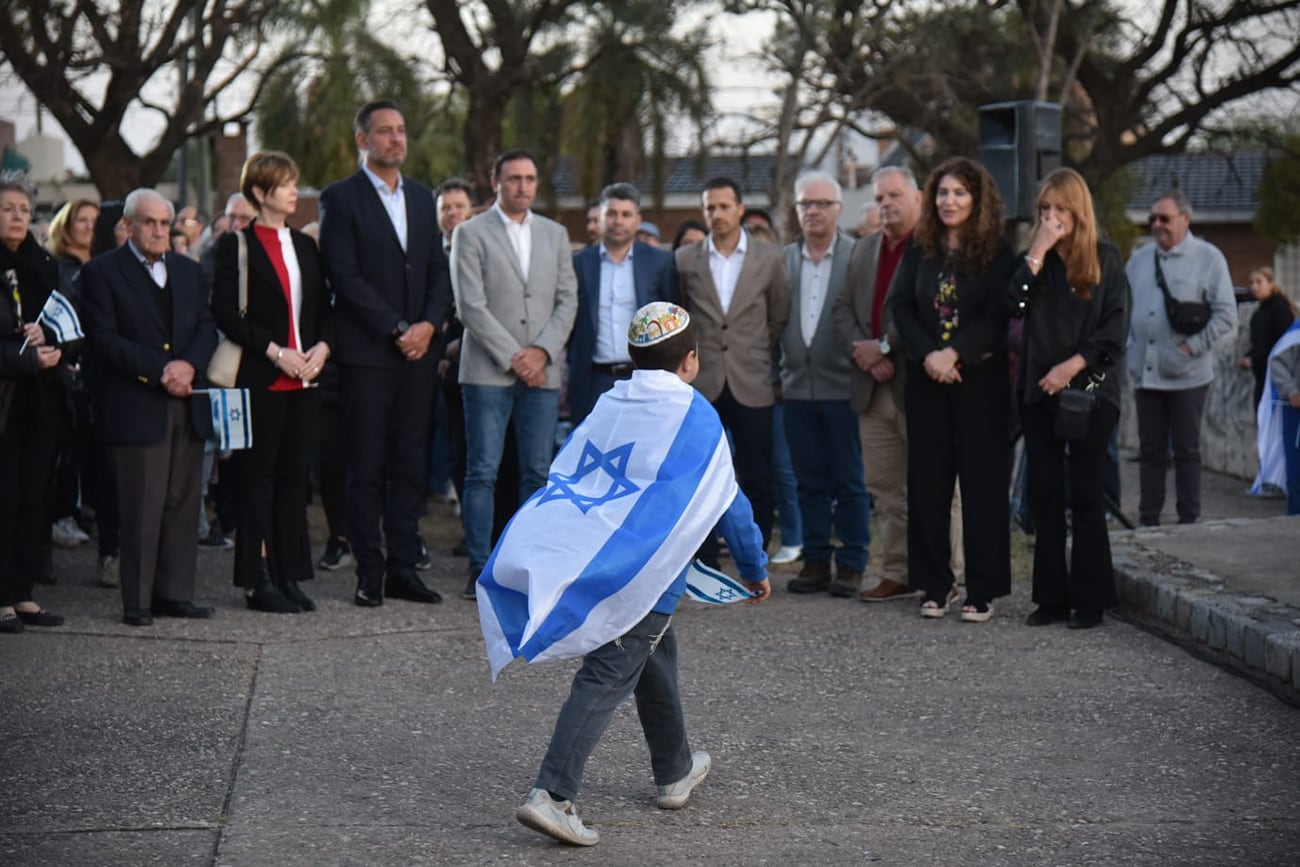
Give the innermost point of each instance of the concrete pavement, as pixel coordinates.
(841, 733)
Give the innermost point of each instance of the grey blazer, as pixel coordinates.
(853, 320)
(736, 347)
(820, 371)
(502, 312)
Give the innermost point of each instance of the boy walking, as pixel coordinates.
(594, 564)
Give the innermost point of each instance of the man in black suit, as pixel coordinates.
(392, 292)
(150, 338)
(616, 277)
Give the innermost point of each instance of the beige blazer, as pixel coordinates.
(502, 312)
(853, 320)
(736, 347)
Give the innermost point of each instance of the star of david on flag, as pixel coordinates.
(613, 462)
(706, 584)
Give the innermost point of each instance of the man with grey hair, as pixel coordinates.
(820, 424)
(616, 277)
(150, 335)
(1171, 369)
(867, 338)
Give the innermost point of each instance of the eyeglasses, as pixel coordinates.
(816, 204)
(1160, 218)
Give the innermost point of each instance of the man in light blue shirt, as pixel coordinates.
(1171, 371)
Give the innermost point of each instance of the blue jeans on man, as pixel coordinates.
(489, 411)
(827, 454)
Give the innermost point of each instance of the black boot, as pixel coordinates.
(294, 593)
(267, 597)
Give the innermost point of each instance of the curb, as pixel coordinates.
(1257, 637)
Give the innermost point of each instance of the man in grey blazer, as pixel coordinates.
(738, 294)
(512, 274)
(820, 424)
(868, 338)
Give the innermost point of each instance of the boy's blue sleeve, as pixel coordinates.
(744, 539)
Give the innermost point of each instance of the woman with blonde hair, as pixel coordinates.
(1073, 293)
(949, 303)
(1269, 322)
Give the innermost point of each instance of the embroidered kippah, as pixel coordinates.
(656, 322)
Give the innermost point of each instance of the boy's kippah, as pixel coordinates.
(656, 322)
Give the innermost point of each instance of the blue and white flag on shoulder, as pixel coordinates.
(1268, 422)
(232, 419)
(60, 316)
(627, 502)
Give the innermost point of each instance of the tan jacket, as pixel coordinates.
(853, 320)
(736, 347)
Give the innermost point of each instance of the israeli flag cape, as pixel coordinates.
(61, 318)
(627, 502)
(1268, 422)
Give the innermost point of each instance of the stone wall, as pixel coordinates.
(1228, 428)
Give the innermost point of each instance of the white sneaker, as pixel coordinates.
(66, 534)
(555, 819)
(786, 554)
(675, 796)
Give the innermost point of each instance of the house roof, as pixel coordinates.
(1211, 180)
(685, 174)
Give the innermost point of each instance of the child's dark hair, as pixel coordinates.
(666, 354)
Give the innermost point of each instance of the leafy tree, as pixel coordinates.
(179, 60)
(308, 105)
(1278, 216)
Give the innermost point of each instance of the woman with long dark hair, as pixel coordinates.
(285, 333)
(1073, 293)
(949, 303)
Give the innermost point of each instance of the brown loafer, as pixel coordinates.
(887, 591)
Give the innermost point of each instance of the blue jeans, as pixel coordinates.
(488, 411)
(827, 455)
(642, 662)
(787, 491)
(1291, 448)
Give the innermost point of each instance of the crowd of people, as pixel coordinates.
(892, 371)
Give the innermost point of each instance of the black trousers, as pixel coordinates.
(272, 482)
(27, 455)
(102, 487)
(1089, 582)
(330, 465)
(959, 432)
(386, 424)
(750, 428)
(1169, 418)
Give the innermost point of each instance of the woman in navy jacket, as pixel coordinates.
(285, 333)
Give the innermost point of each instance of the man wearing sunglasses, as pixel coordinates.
(1171, 370)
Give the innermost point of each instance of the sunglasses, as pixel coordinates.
(1160, 218)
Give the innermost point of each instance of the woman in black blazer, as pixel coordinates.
(286, 334)
(1072, 291)
(949, 302)
(31, 405)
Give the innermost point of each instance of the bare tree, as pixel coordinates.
(89, 64)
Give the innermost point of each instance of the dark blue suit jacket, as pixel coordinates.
(374, 282)
(655, 276)
(129, 344)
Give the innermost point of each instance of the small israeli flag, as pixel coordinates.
(232, 419)
(706, 584)
(60, 316)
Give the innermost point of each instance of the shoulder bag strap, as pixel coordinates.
(243, 273)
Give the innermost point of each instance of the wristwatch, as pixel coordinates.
(402, 325)
(885, 348)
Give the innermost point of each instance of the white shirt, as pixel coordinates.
(617, 307)
(814, 279)
(394, 202)
(726, 269)
(157, 269)
(521, 237)
(295, 283)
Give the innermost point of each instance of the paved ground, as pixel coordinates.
(841, 733)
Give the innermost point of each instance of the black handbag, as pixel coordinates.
(1185, 317)
(1074, 407)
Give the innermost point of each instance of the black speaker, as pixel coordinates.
(1019, 143)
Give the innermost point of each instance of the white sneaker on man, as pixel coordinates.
(786, 554)
(66, 534)
(675, 796)
(554, 818)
